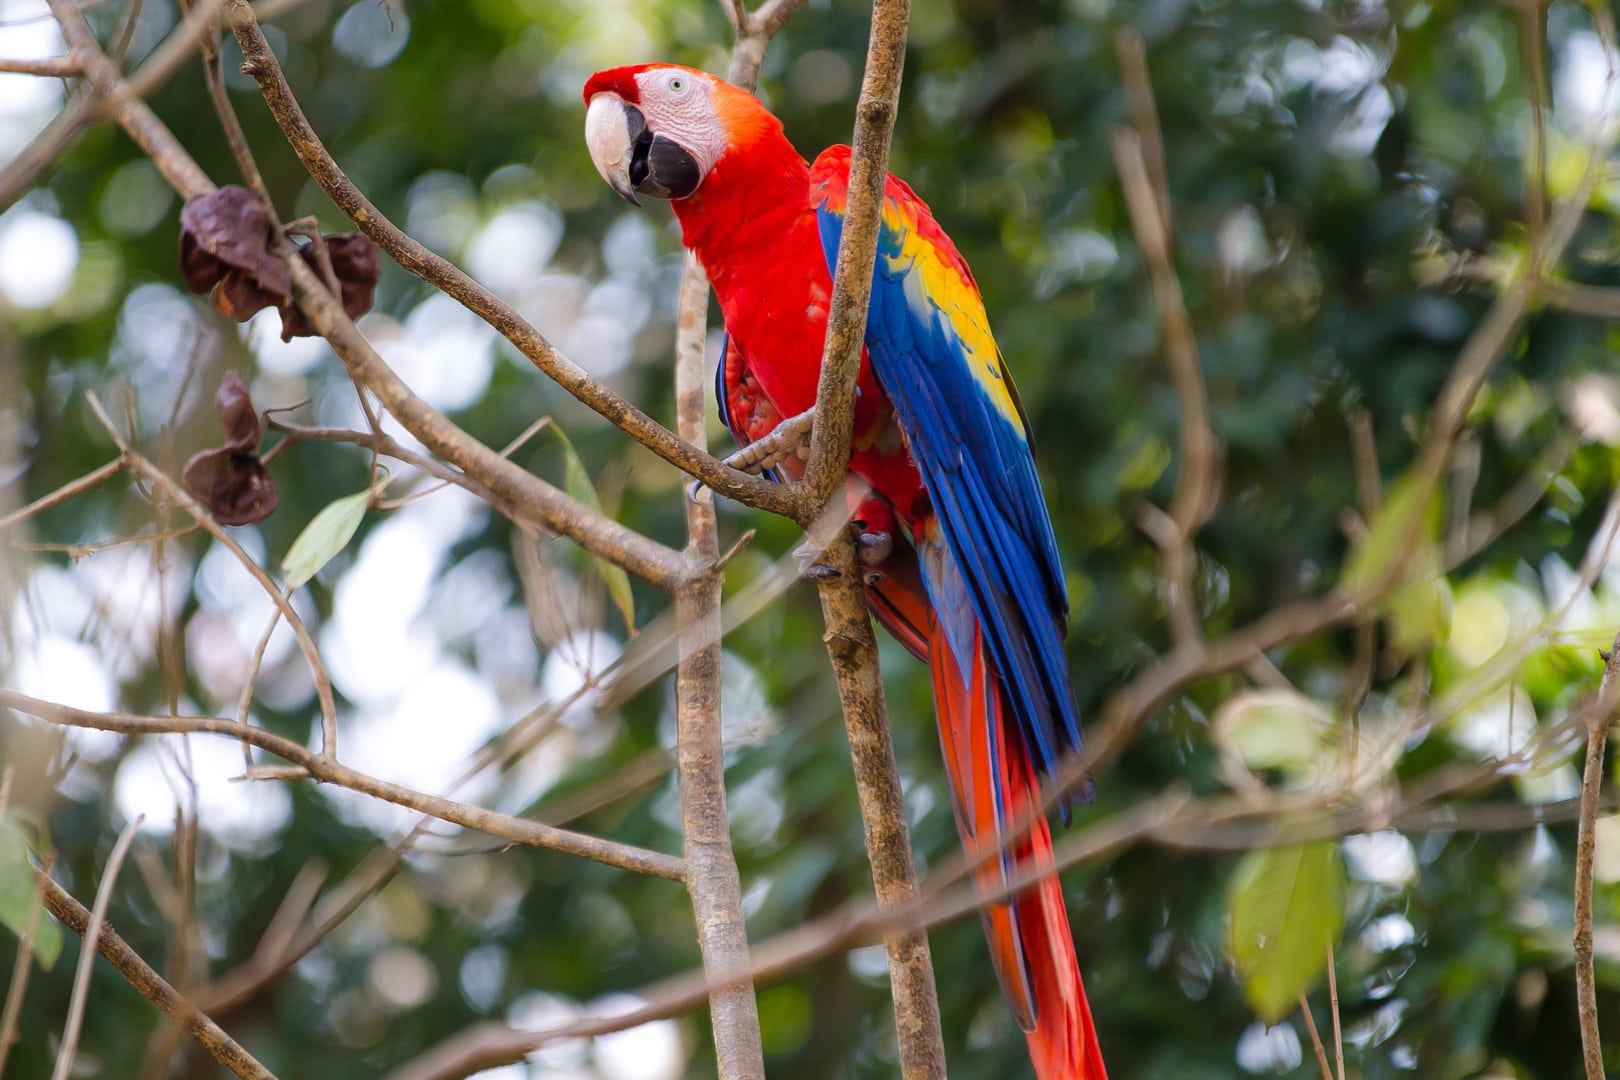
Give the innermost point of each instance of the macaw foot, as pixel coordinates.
(872, 549)
(791, 438)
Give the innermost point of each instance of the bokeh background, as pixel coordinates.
(1328, 161)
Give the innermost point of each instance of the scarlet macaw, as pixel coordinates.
(941, 460)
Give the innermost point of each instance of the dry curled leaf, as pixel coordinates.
(224, 242)
(230, 479)
(225, 248)
(243, 425)
(356, 267)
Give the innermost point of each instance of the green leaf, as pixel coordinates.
(327, 533)
(1286, 906)
(18, 895)
(1405, 524)
(1419, 611)
(578, 484)
(1272, 729)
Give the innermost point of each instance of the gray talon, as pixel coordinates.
(872, 577)
(819, 572)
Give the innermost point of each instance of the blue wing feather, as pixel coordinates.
(974, 453)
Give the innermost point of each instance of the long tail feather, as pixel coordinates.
(994, 789)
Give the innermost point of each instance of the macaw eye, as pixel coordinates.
(677, 85)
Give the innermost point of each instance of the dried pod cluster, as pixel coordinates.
(230, 479)
(225, 247)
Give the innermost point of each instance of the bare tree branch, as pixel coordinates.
(1198, 486)
(325, 770)
(18, 987)
(87, 956)
(150, 984)
(63, 493)
(1597, 718)
(857, 253)
(852, 648)
(54, 67)
(711, 867)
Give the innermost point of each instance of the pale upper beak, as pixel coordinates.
(611, 141)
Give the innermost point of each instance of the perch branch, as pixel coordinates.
(852, 648)
(857, 254)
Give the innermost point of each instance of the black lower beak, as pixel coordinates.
(662, 167)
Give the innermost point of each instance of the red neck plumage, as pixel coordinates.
(754, 201)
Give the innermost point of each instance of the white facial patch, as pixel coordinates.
(679, 105)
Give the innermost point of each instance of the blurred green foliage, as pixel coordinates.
(1326, 159)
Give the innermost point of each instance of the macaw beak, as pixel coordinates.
(632, 158)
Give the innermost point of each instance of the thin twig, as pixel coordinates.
(1533, 57)
(87, 955)
(173, 492)
(53, 67)
(1316, 1038)
(232, 126)
(150, 985)
(325, 770)
(63, 493)
(244, 701)
(1597, 718)
(1133, 70)
(1198, 486)
(1333, 1007)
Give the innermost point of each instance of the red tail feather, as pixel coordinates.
(994, 787)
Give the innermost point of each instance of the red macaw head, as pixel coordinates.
(660, 129)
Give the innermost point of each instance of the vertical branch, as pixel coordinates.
(1198, 487)
(853, 651)
(849, 639)
(1598, 717)
(857, 254)
(712, 878)
(1532, 59)
(711, 867)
